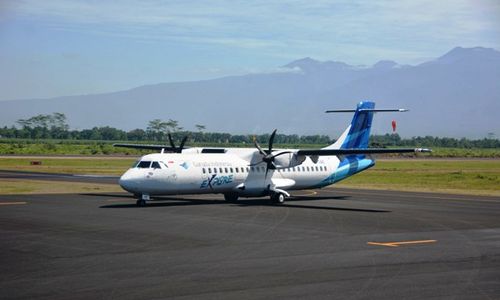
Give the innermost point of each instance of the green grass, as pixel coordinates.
(462, 176)
(67, 147)
(80, 147)
(481, 177)
(462, 152)
(92, 165)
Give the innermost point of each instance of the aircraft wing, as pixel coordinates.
(149, 147)
(325, 152)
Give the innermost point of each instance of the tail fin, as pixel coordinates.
(357, 134)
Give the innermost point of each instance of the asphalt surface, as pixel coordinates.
(332, 244)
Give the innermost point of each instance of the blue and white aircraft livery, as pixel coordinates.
(255, 172)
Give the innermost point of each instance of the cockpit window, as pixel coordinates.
(136, 163)
(155, 165)
(144, 164)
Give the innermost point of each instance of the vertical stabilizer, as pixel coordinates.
(357, 134)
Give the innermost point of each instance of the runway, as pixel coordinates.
(323, 244)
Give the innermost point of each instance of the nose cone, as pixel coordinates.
(127, 181)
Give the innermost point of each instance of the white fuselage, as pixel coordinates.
(227, 173)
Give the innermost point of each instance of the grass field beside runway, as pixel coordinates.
(91, 147)
(477, 177)
(462, 176)
(91, 165)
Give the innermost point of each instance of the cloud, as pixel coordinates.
(293, 28)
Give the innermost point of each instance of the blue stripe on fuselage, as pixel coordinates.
(348, 166)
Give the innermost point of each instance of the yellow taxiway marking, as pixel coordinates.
(12, 203)
(397, 244)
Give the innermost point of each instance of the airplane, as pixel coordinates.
(255, 172)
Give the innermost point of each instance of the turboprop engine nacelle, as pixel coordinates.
(289, 160)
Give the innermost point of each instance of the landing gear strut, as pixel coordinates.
(142, 201)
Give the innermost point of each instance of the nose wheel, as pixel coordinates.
(142, 201)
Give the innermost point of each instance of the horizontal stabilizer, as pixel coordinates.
(353, 151)
(366, 110)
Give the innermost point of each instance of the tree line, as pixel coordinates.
(55, 126)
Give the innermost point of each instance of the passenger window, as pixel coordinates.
(215, 170)
(155, 165)
(203, 170)
(209, 170)
(220, 170)
(225, 170)
(252, 169)
(144, 164)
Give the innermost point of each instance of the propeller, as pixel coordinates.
(268, 156)
(175, 149)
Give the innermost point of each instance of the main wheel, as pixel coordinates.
(278, 198)
(231, 197)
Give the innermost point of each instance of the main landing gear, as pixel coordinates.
(142, 201)
(231, 197)
(278, 198)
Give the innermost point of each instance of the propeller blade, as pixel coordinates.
(259, 148)
(182, 144)
(268, 157)
(271, 141)
(171, 141)
(258, 163)
(281, 153)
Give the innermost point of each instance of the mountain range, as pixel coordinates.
(456, 95)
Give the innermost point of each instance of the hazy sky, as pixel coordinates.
(56, 47)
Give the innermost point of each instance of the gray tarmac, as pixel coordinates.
(323, 244)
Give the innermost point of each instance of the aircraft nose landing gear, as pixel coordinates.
(142, 201)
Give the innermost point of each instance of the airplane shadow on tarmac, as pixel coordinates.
(181, 201)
